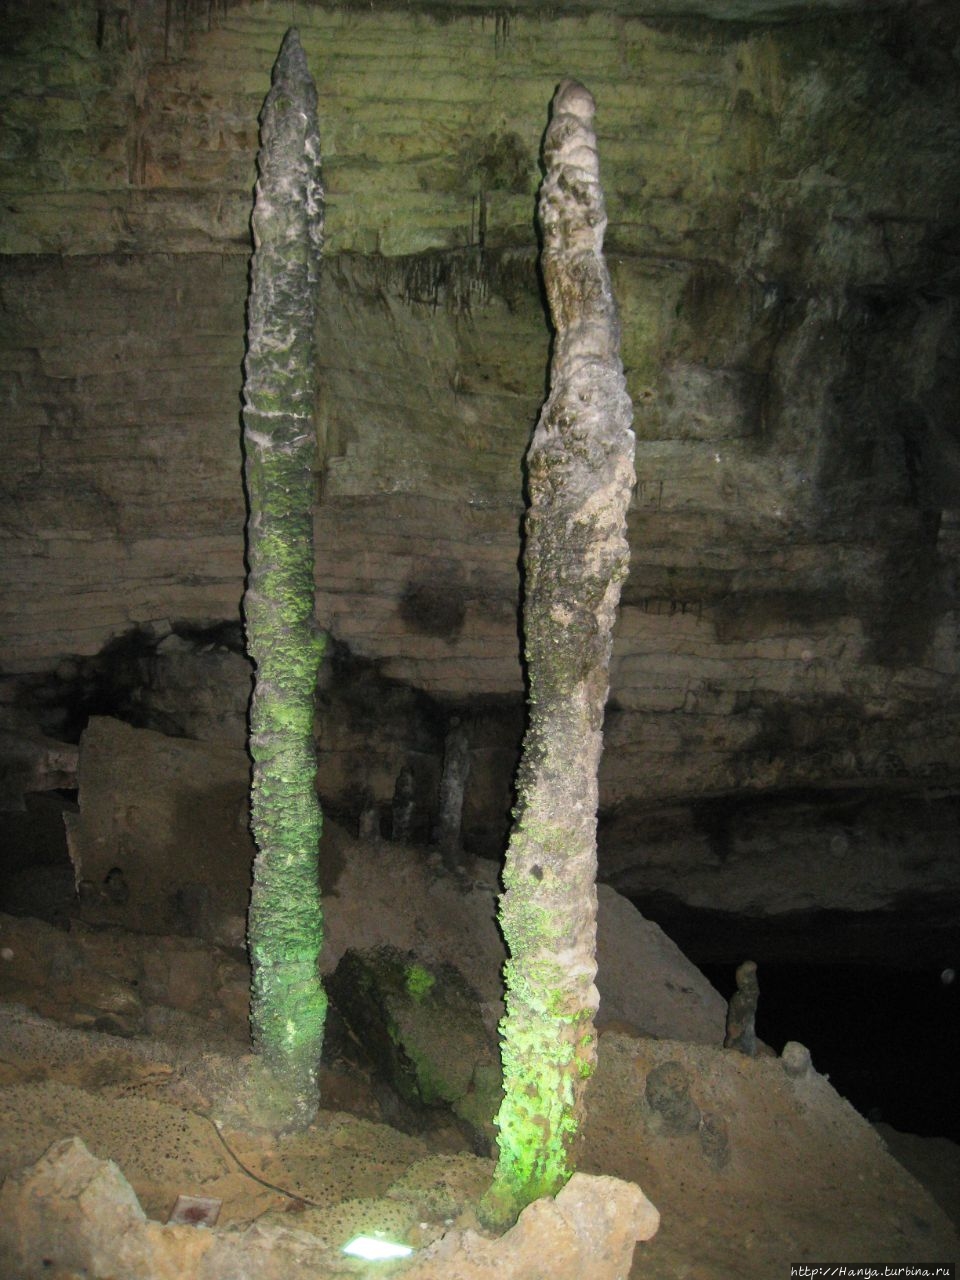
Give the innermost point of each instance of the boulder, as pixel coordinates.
(71, 1211)
(161, 843)
(645, 980)
(423, 1028)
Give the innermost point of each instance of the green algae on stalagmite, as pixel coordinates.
(285, 926)
(581, 475)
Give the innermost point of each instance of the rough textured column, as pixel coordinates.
(453, 784)
(288, 1005)
(580, 476)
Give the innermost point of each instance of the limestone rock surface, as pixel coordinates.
(170, 817)
(72, 1211)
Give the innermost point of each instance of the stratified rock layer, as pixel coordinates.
(783, 253)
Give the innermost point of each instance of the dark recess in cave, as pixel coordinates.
(118, 680)
(36, 875)
(358, 701)
(888, 1038)
(906, 936)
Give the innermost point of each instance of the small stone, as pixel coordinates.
(714, 1140)
(668, 1095)
(796, 1059)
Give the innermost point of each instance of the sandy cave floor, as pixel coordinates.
(776, 1170)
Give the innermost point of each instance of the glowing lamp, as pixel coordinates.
(374, 1250)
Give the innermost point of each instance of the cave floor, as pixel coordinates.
(750, 1168)
(779, 1169)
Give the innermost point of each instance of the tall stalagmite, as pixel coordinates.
(580, 476)
(288, 1004)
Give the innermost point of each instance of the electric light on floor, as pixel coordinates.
(374, 1250)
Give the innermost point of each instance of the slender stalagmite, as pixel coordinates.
(285, 926)
(580, 477)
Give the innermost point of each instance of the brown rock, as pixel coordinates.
(170, 814)
(70, 1210)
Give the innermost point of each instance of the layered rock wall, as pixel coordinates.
(783, 242)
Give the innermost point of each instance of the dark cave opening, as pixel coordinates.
(36, 874)
(888, 1038)
(868, 992)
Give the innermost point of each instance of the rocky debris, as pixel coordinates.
(423, 1028)
(123, 983)
(170, 815)
(95, 1225)
(73, 1211)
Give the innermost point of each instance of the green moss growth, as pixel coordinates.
(537, 1122)
(285, 924)
(419, 981)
